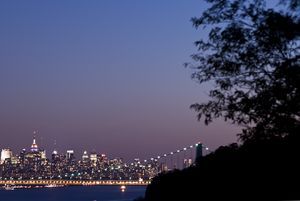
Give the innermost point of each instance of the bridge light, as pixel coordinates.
(178, 151)
(191, 146)
(184, 148)
(165, 155)
(196, 145)
(145, 161)
(152, 159)
(158, 157)
(206, 148)
(171, 153)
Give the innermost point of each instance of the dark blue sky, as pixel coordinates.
(103, 75)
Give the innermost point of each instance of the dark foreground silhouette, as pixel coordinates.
(266, 169)
(251, 55)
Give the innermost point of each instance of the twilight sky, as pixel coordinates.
(103, 75)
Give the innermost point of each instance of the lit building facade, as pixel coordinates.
(34, 146)
(6, 154)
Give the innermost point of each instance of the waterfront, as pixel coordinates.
(74, 193)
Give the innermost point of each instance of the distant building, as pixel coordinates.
(22, 155)
(34, 146)
(15, 160)
(187, 162)
(5, 154)
(85, 156)
(54, 155)
(163, 167)
(93, 158)
(36, 156)
(103, 158)
(43, 154)
(70, 155)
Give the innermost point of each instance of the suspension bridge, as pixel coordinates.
(178, 159)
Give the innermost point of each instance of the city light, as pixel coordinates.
(33, 165)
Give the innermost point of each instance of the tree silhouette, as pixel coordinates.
(252, 56)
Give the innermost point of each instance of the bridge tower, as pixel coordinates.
(199, 152)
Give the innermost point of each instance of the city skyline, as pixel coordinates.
(34, 164)
(7, 152)
(104, 76)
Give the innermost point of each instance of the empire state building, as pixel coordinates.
(34, 146)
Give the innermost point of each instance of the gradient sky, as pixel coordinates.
(103, 75)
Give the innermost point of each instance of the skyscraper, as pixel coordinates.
(43, 153)
(85, 156)
(5, 154)
(93, 158)
(54, 155)
(34, 146)
(70, 155)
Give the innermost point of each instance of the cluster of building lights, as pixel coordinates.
(34, 164)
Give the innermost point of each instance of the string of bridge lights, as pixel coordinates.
(176, 152)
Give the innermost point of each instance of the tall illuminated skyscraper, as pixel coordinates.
(34, 146)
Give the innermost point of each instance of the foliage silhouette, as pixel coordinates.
(252, 56)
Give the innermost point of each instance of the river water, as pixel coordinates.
(74, 193)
